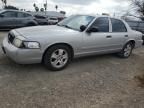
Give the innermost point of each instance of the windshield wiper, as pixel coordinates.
(62, 25)
(65, 26)
(59, 25)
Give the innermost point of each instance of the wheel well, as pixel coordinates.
(133, 43)
(65, 44)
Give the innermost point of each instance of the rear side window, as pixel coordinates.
(10, 14)
(22, 15)
(27, 15)
(102, 24)
(118, 26)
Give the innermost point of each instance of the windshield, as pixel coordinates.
(74, 22)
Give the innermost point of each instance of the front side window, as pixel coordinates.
(9, 14)
(118, 26)
(20, 15)
(74, 22)
(102, 24)
(27, 15)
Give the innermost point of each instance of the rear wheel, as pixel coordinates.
(57, 57)
(127, 50)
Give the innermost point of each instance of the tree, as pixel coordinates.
(42, 9)
(139, 6)
(11, 7)
(36, 7)
(63, 12)
(4, 2)
(56, 7)
(45, 6)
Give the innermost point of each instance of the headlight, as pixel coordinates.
(21, 43)
(17, 42)
(31, 45)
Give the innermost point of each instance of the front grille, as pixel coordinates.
(11, 38)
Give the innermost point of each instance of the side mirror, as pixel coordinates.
(82, 28)
(92, 29)
(1, 15)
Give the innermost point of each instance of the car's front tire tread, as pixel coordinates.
(122, 52)
(48, 54)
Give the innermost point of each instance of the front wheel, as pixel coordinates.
(126, 51)
(57, 57)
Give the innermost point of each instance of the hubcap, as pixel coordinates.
(127, 50)
(59, 58)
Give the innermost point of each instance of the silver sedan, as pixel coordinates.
(76, 36)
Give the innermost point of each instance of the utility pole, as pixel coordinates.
(45, 6)
(114, 14)
(4, 2)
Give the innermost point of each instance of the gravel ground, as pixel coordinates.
(93, 82)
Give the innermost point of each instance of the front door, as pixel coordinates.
(8, 19)
(99, 41)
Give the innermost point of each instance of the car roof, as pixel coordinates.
(135, 21)
(40, 15)
(93, 15)
(15, 11)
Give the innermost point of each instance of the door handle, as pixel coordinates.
(108, 36)
(126, 35)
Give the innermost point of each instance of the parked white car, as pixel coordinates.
(78, 35)
(52, 20)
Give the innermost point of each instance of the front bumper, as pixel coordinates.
(21, 56)
(139, 43)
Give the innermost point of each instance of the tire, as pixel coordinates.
(57, 57)
(126, 51)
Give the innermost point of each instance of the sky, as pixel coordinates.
(76, 6)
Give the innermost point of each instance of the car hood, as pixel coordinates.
(43, 31)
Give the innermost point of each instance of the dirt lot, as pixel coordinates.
(94, 82)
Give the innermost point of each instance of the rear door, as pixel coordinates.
(119, 33)
(22, 19)
(7, 21)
